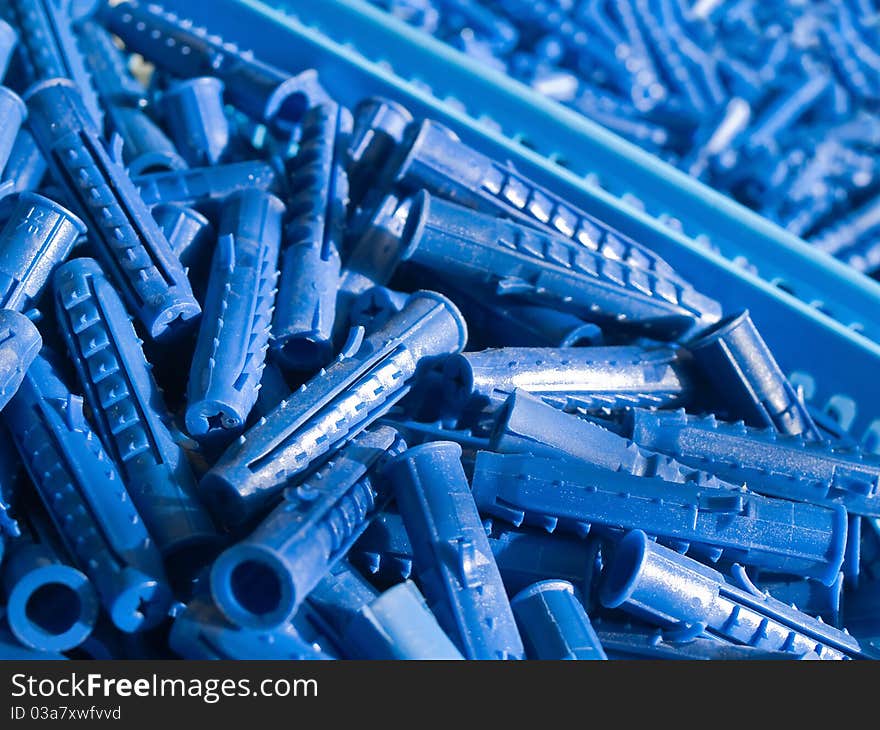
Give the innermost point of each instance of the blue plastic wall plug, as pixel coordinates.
(302, 329)
(87, 500)
(146, 149)
(451, 554)
(528, 425)
(20, 344)
(13, 112)
(130, 415)
(374, 307)
(50, 606)
(108, 66)
(200, 631)
(773, 534)
(189, 233)
(749, 382)
(11, 649)
(126, 238)
(553, 623)
(176, 45)
(569, 378)
(26, 166)
(260, 582)
(664, 587)
(335, 405)
(38, 236)
(810, 596)
(193, 111)
(8, 41)
(49, 49)
(200, 184)
(541, 268)
(233, 336)
(777, 465)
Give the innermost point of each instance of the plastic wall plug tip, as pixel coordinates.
(20, 344)
(810, 596)
(200, 631)
(374, 307)
(397, 624)
(379, 127)
(13, 112)
(193, 111)
(259, 582)
(127, 239)
(528, 425)
(789, 467)
(750, 383)
(384, 548)
(189, 233)
(302, 329)
(660, 585)
(774, 534)
(8, 41)
(451, 553)
(26, 166)
(109, 68)
(553, 623)
(233, 335)
(537, 267)
(572, 378)
(434, 159)
(87, 500)
(339, 402)
(130, 415)
(49, 49)
(50, 606)
(200, 184)
(38, 236)
(176, 45)
(146, 149)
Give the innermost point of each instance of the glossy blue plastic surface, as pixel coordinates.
(233, 335)
(146, 149)
(130, 415)
(658, 584)
(553, 623)
(20, 343)
(789, 288)
(193, 111)
(200, 184)
(451, 554)
(335, 405)
(810, 596)
(8, 42)
(26, 167)
(12, 115)
(775, 534)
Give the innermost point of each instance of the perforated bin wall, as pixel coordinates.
(821, 318)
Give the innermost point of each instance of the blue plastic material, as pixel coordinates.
(788, 287)
(658, 584)
(113, 82)
(189, 233)
(553, 623)
(50, 606)
(810, 596)
(20, 343)
(302, 329)
(334, 406)
(48, 46)
(261, 91)
(125, 237)
(12, 115)
(38, 236)
(571, 378)
(87, 500)
(528, 425)
(193, 111)
(540, 268)
(737, 361)
(8, 41)
(234, 333)
(12, 650)
(774, 534)
(146, 149)
(130, 415)
(203, 183)
(861, 613)
(26, 167)
(769, 463)
(202, 632)
(451, 554)
(374, 307)
(259, 582)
